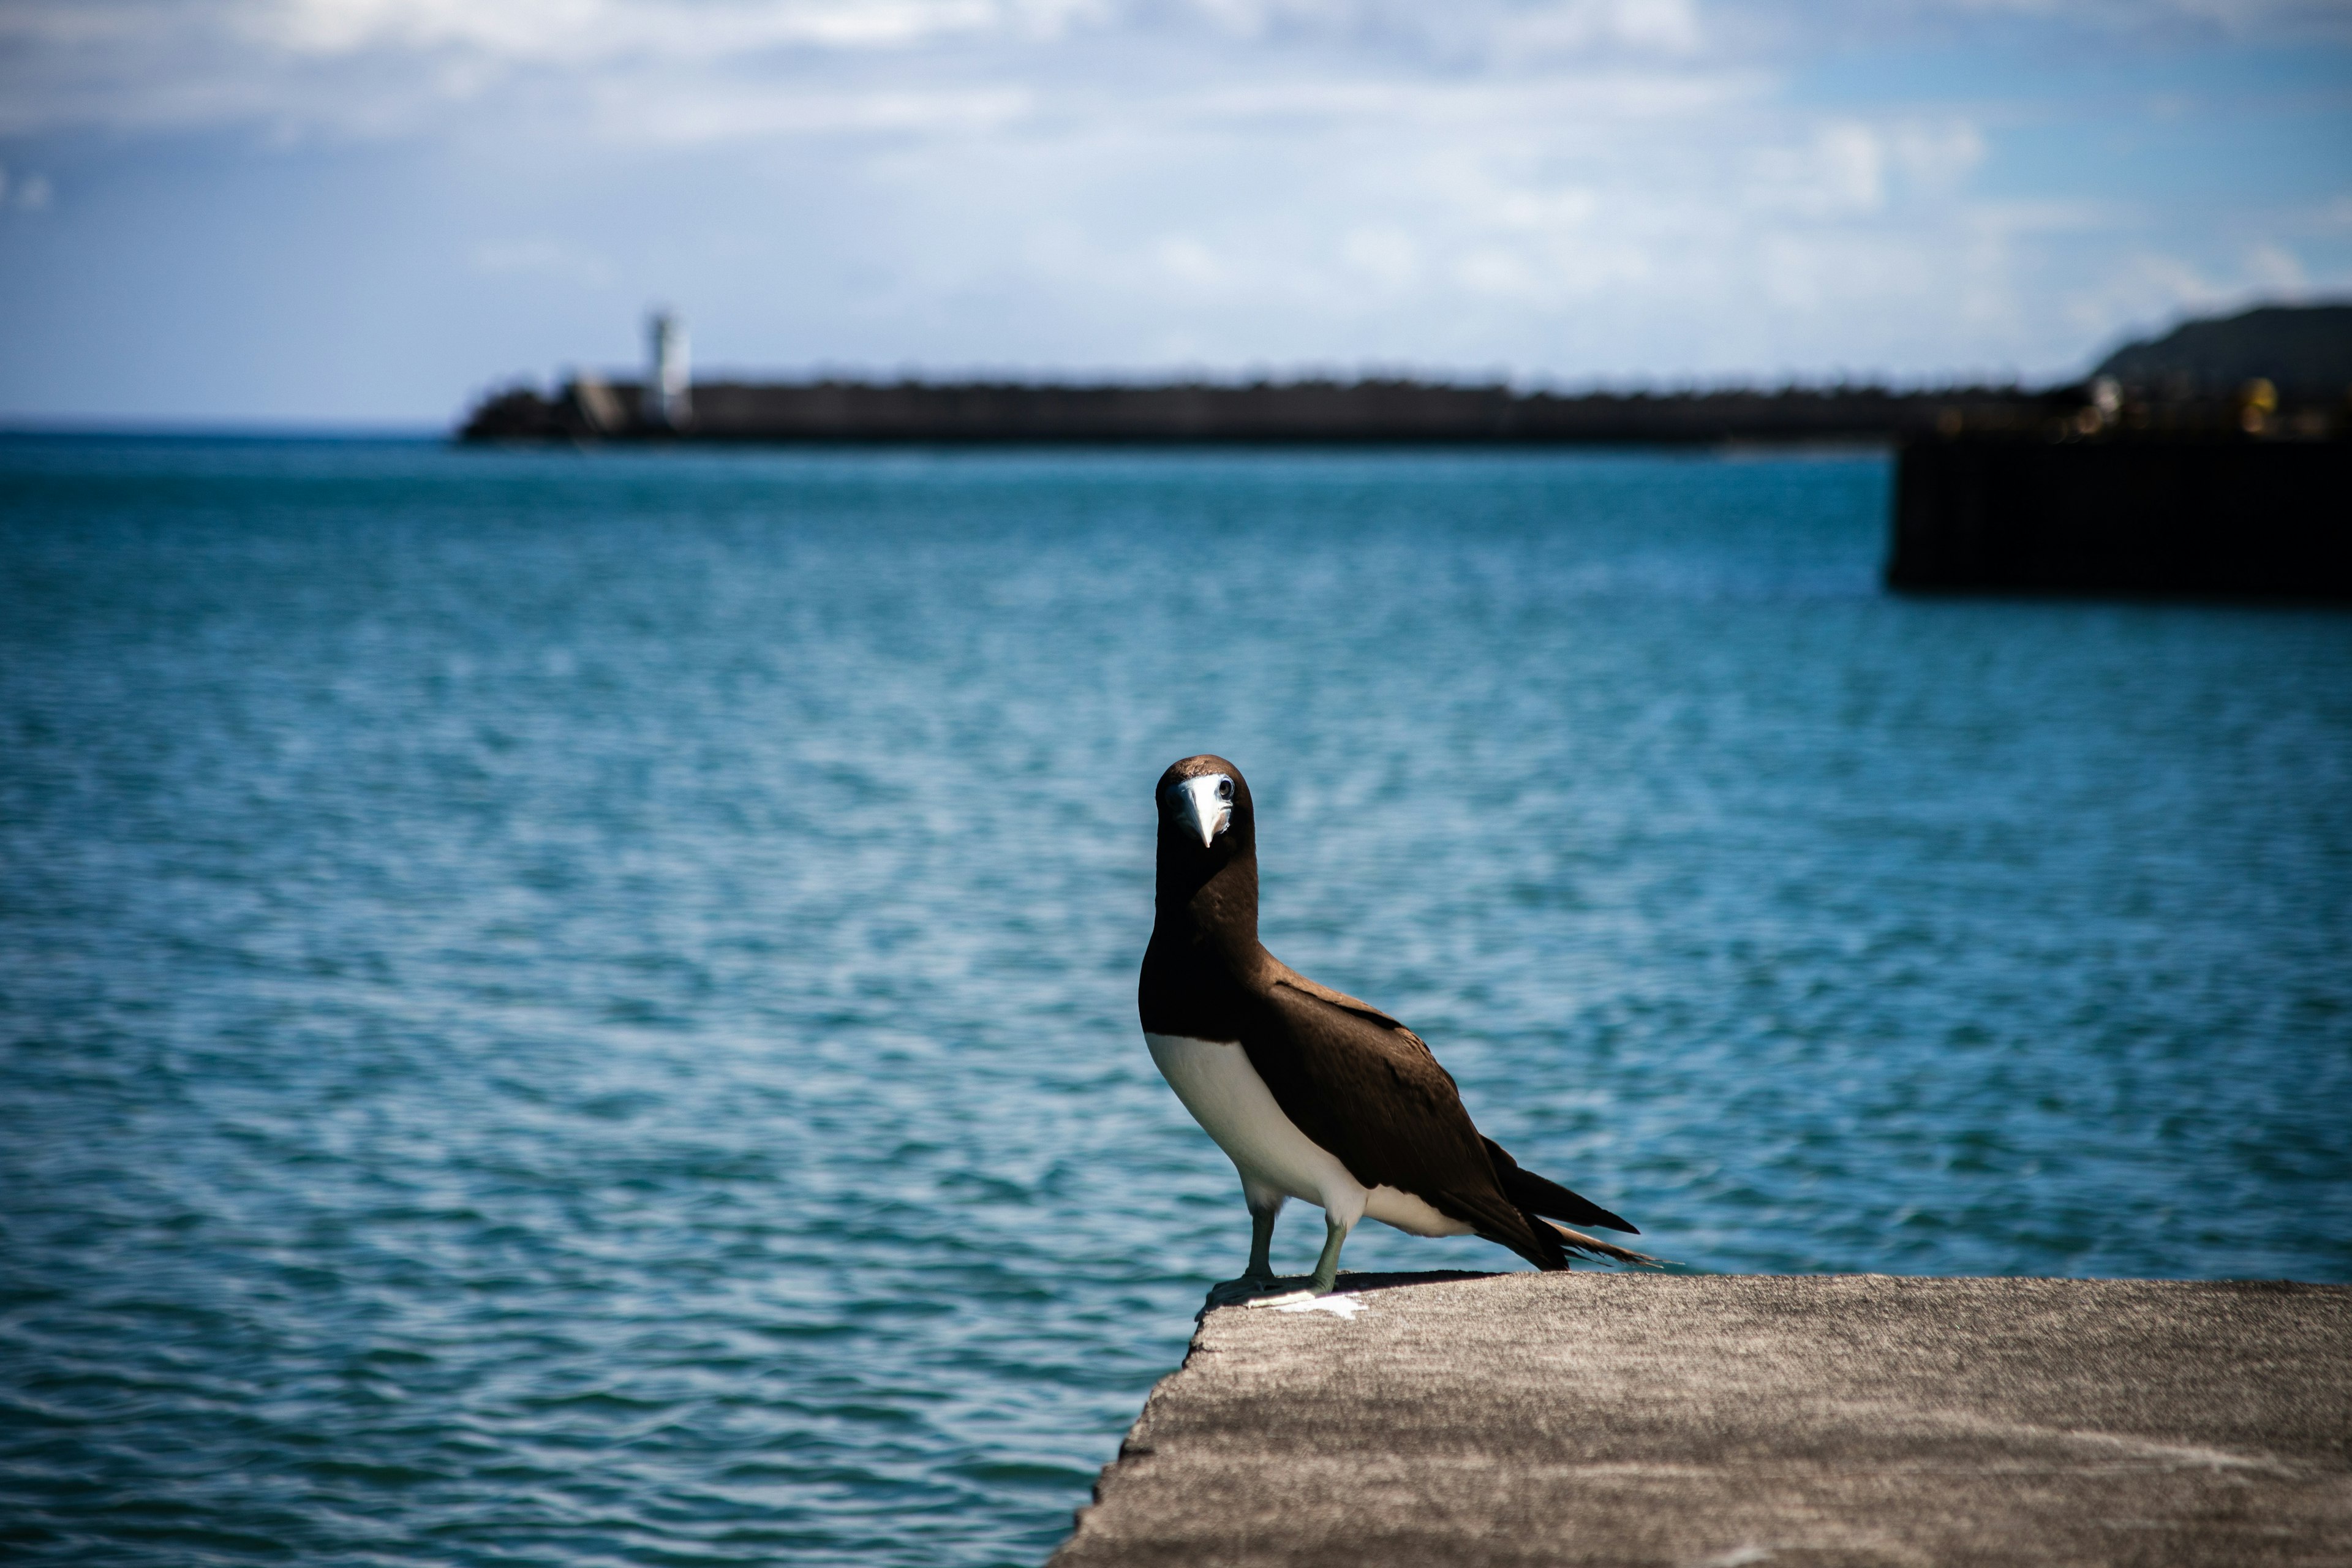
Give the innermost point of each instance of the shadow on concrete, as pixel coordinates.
(1237, 1293)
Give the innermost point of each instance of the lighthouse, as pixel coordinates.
(668, 405)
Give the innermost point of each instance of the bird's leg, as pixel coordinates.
(1261, 1264)
(1326, 1268)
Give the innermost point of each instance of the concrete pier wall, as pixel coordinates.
(1593, 1418)
(2217, 517)
(1381, 412)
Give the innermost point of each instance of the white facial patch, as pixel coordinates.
(1208, 805)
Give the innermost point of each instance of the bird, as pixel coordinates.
(1313, 1094)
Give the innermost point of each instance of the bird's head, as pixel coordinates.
(1205, 811)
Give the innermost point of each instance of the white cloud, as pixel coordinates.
(1852, 166)
(549, 258)
(27, 193)
(724, 69)
(2148, 289)
(577, 32)
(1857, 20)
(2276, 271)
(1577, 187)
(1386, 259)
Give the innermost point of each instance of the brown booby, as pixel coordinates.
(1313, 1094)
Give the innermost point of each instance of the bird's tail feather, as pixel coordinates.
(1539, 1196)
(1593, 1246)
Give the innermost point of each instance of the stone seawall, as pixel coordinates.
(2214, 517)
(1596, 1418)
(1375, 413)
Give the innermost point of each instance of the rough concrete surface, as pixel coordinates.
(1596, 1418)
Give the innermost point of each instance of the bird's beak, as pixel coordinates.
(1204, 813)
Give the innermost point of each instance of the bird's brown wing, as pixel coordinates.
(1283, 974)
(1366, 1087)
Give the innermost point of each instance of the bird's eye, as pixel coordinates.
(1224, 789)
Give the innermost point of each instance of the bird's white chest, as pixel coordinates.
(1230, 1100)
(1277, 1161)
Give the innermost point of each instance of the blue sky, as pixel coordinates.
(366, 211)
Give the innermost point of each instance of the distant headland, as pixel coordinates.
(2203, 377)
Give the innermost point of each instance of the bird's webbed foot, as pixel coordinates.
(1259, 1279)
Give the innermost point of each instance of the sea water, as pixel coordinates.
(578, 1008)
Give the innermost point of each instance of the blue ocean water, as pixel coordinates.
(579, 1009)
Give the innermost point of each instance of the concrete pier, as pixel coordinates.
(1598, 1418)
(2230, 519)
(1362, 413)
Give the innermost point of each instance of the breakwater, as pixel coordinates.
(2217, 517)
(1584, 1418)
(2093, 487)
(2274, 371)
(1388, 413)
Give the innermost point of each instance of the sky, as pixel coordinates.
(369, 212)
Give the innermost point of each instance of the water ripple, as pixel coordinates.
(580, 1011)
